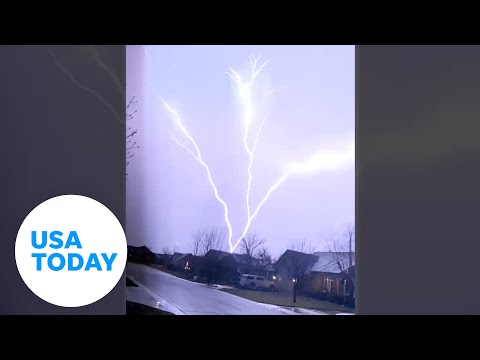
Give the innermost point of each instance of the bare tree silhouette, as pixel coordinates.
(301, 260)
(208, 239)
(166, 250)
(197, 242)
(343, 248)
(264, 256)
(250, 244)
(130, 143)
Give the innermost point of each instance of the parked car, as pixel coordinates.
(255, 282)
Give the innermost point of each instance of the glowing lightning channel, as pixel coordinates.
(321, 161)
(262, 202)
(324, 161)
(273, 91)
(197, 155)
(108, 70)
(250, 164)
(83, 87)
(334, 235)
(245, 95)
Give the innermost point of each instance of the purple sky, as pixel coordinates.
(168, 194)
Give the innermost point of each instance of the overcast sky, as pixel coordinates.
(168, 193)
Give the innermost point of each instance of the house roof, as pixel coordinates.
(244, 259)
(139, 249)
(176, 255)
(238, 258)
(332, 262)
(162, 256)
(181, 256)
(295, 256)
(198, 258)
(216, 254)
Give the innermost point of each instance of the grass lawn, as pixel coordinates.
(285, 299)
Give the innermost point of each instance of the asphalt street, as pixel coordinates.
(193, 298)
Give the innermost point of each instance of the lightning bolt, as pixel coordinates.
(245, 94)
(197, 155)
(273, 91)
(108, 70)
(244, 89)
(320, 161)
(333, 234)
(83, 87)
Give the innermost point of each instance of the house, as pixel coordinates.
(222, 266)
(140, 255)
(188, 263)
(196, 265)
(332, 276)
(214, 271)
(243, 263)
(292, 266)
(269, 273)
(321, 274)
(162, 259)
(174, 263)
(181, 261)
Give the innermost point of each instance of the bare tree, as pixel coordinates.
(214, 240)
(198, 241)
(130, 143)
(166, 250)
(198, 238)
(303, 246)
(343, 248)
(264, 257)
(250, 244)
(301, 260)
(208, 239)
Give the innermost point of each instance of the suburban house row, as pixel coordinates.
(320, 274)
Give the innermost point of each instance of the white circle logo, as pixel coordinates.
(71, 251)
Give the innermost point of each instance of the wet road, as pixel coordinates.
(196, 299)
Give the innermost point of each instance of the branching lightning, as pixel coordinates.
(246, 96)
(108, 70)
(197, 155)
(273, 91)
(83, 87)
(244, 89)
(321, 161)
